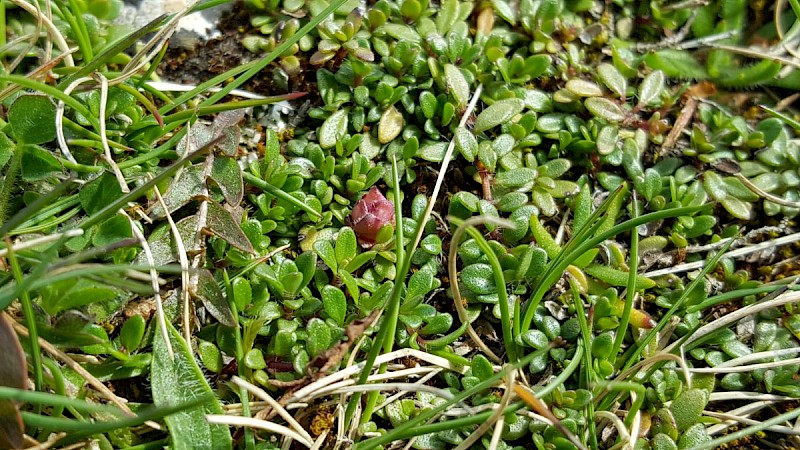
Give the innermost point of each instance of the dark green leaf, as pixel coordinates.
(98, 193)
(209, 292)
(112, 230)
(38, 163)
(32, 119)
(335, 303)
(222, 224)
(176, 381)
(228, 176)
(478, 278)
(500, 112)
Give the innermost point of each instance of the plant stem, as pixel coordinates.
(630, 292)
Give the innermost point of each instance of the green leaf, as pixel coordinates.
(555, 168)
(605, 109)
(438, 324)
(694, 436)
(335, 303)
(13, 374)
(181, 191)
(612, 78)
(95, 195)
(319, 337)
(221, 223)
(446, 17)
(651, 88)
(482, 367)
(390, 125)
(71, 294)
(180, 380)
(466, 144)
(676, 64)
(346, 246)
(32, 119)
(210, 356)
(583, 88)
(333, 129)
(112, 230)
(7, 148)
(307, 264)
(516, 177)
(432, 151)
(132, 332)
(38, 164)
(500, 112)
(607, 139)
(616, 277)
(324, 249)
(209, 292)
(457, 84)
(738, 208)
(479, 278)
(228, 176)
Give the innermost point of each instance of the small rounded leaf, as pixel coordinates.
(651, 87)
(612, 78)
(688, 407)
(390, 125)
(478, 278)
(605, 109)
(500, 112)
(457, 84)
(333, 129)
(583, 88)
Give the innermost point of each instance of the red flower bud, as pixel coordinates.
(369, 215)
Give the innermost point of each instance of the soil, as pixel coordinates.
(215, 56)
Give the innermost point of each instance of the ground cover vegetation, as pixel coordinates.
(548, 224)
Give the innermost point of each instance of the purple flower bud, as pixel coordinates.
(369, 215)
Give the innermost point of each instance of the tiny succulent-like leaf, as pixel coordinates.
(651, 87)
(694, 436)
(517, 177)
(607, 139)
(466, 144)
(499, 112)
(335, 303)
(333, 129)
(345, 246)
(432, 151)
(616, 277)
(612, 78)
(390, 125)
(605, 109)
(457, 84)
(478, 278)
(583, 88)
(319, 337)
